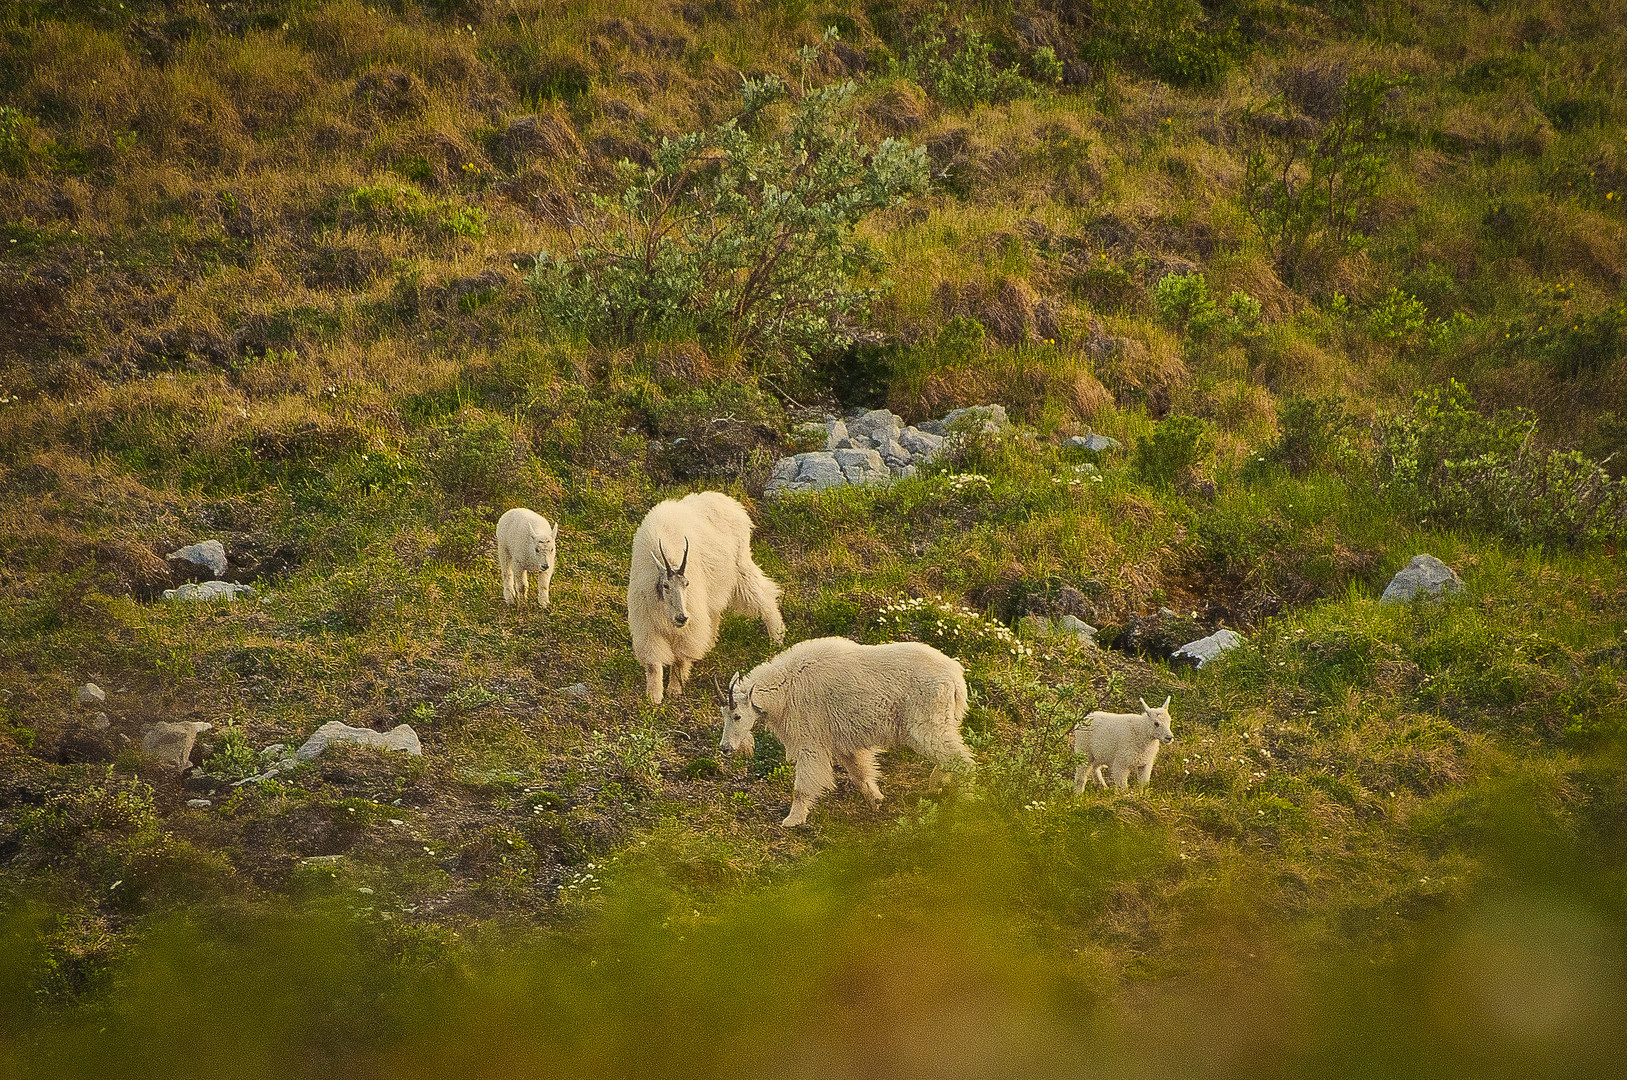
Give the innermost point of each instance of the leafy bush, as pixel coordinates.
(1572, 345)
(959, 70)
(1315, 433)
(1456, 467)
(233, 756)
(1172, 39)
(1308, 181)
(477, 456)
(1176, 444)
(1183, 300)
(1398, 317)
(742, 240)
(955, 628)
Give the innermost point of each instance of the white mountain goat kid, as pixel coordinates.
(1121, 742)
(526, 544)
(674, 610)
(833, 701)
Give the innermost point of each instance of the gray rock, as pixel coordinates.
(880, 426)
(577, 691)
(1424, 574)
(990, 418)
(1074, 625)
(1033, 626)
(170, 744)
(920, 444)
(401, 737)
(209, 590)
(199, 804)
(1206, 649)
(1093, 442)
(100, 722)
(931, 427)
(860, 466)
(91, 694)
(274, 751)
(894, 453)
(209, 555)
(836, 434)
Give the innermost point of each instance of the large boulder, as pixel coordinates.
(401, 737)
(1206, 649)
(861, 466)
(921, 444)
(1096, 444)
(170, 743)
(1424, 574)
(91, 694)
(207, 555)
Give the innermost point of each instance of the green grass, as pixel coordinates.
(262, 278)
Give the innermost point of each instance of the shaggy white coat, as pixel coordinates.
(1122, 743)
(832, 701)
(526, 544)
(674, 617)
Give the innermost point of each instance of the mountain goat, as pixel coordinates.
(674, 612)
(526, 544)
(1121, 742)
(833, 701)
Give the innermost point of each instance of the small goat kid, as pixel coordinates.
(674, 612)
(1122, 742)
(526, 544)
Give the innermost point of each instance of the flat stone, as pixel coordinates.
(1074, 625)
(1033, 626)
(401, 737)
(1206, 649)
(577, 691)
(1093, 442)
(170, 743)
(209, 590)
(100, 722)
(835, 434)
(199, 804)
(1424, 574)
(208, 554)
(90, 694)
(275, 750)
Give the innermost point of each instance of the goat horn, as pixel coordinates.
(685, 564)
(665, 565)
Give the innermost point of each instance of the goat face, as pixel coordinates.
(740, 715)
(1160, 720)
(671, 584)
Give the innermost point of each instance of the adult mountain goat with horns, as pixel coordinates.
(834, 701)
(691, 563)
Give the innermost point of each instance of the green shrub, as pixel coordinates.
(233, 755)
(1308, 181)
(740, 239)
(1397, 317)
(957, 66)
(1183, 300)
(1173, 39)
(477, 456)
(1452, 466)
(1314, 433)
(1175, 445)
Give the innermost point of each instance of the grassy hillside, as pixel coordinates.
(335, 284)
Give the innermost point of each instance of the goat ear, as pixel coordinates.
(556, 530)
(1167, 700)
(1144, 706)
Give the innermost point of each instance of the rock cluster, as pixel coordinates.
(875, 447)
